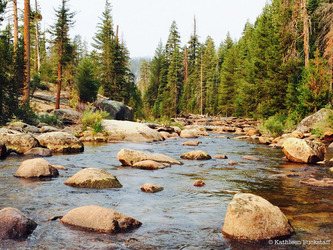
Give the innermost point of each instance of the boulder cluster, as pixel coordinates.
(248, 217)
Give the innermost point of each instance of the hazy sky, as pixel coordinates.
(143, 23)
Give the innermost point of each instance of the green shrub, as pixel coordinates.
(93, 120)
(49, 119)
(277, 124)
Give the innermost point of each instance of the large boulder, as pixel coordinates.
(250, 217)
(128, 157)
(307, 123)
(303, 151)
(68, 116)
(196, 155)
(60, 142)
(3, 150)
(130, 131)
(14, 224)
(16, 141)
(36, 168)
(100, 219)
(93, 178)
(116, 110)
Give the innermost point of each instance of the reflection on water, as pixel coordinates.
(181, 216)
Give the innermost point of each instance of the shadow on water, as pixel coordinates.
(180, 217)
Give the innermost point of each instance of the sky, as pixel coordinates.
(144, 23)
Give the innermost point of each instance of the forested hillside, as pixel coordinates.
(281, 65)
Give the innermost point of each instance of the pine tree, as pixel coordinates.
(314, 93)
(60, 31)
(210, 77)
(87, 83)
(188, 101)
(144, 77)
(157, 80)
(228, 83)
(175, 75)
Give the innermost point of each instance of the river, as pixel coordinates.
(181, 216)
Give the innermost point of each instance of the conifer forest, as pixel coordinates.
(281, 66)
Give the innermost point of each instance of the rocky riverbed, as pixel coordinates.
(192, 194)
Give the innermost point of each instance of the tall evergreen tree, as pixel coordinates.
(60, 31)
(157, 80)
(210, 77)
(87, 83)
(175, 75)
(228, 83)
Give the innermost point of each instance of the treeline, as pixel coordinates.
(61, 61)
(282, 64)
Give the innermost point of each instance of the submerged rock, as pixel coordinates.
(36, 168)
(150, 165)
(128, 157)
(303, 151)
(14, 224)
(191, 143)
(60, 142)
(130, 131)
(100, 219)
(151, 188)
(39, 152)
(251, 158)
(232, 163)
(196, 155)
(326, 182)
(93, 178)
(220, 157)
(16, 141)
(250, 217)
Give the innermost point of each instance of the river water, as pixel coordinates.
(181, 216)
